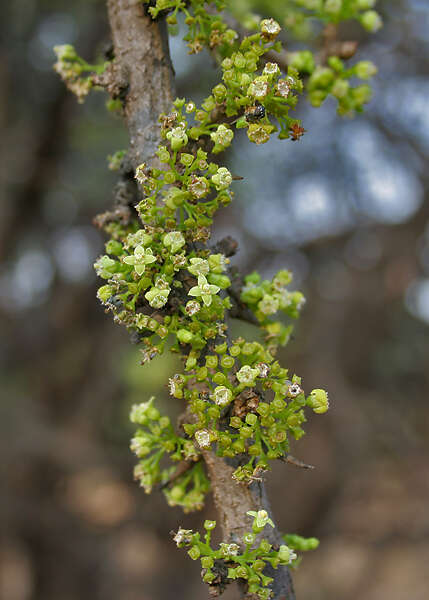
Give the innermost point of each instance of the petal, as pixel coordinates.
(195, 291)
(206, 299)
(139, 251)
(214, 289)
(129, 260)
(139, 269)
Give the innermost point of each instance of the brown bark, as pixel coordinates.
(142, 73)
(142, 70)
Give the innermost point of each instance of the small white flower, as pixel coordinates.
(247, 375)
(286, 554)
(268, 305)
(203, 438)
(222, 395)
(175, 240)
(258, 88)
(142, 257)
(183, 536)
(294, 390)
(140, 174)
(199, 187)
(229, 549)
(222, 179)
(263, 369)
(174, 384)
(271, 69)
(283, 88)
(204, 290)
(270, 28)
(192, 307)
(222, 136)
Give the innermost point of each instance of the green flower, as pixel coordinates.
(177, 137)
(222, 179)
(222, 395)
(268, 305)
(174, 240)
(203, 438)
(204, 290)
(286, 555)
(270, 29)
(140, 174)
(261, 518)
(141, 258)
(199, 266)
(318, 400)
(247, 375)
(222, 137)
(157, 297)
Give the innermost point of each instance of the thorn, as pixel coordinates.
(296, 462)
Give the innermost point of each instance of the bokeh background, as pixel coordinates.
(344, 208)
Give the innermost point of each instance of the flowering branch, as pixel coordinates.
(173, 291)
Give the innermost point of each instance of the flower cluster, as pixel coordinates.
(245, 404)
(171, 289)
(245, 560)
(252, 90)
(333, 80)
(76, 73)
(156, 439)
(266, 298)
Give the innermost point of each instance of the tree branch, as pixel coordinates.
(142, 74)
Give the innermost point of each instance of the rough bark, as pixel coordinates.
(232, 501)
(142, 76)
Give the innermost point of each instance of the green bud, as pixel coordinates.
(302, 61)
(340, 88)
(219, 92)
(249, 539)
(163, 154)
(241, 572)
(114, 247)
(371, 21)
(263, 409)
(246, 432)
(220, 280)
(184, 336)
(265, 546)
(211, 361)
(239, 446)
(209, 104)
(207, 562)
(104, 293)
(221, 348)
(365, 69)
(251, 419)
(227, 361)
(219, 378)
(194, 552)
(318, 400)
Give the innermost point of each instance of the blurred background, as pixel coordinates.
(344, 209)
